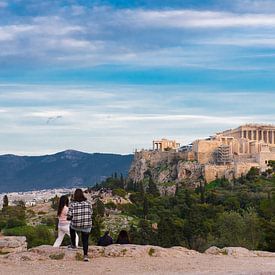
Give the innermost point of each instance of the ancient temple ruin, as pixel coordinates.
(251, 145)
(165, 145)
(228, 154)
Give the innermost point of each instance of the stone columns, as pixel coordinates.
(260, 135)
(155, 146)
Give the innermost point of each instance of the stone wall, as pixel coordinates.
(229, 171)
(204, 150)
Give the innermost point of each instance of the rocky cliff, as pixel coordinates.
(165, 168)
(170, 168)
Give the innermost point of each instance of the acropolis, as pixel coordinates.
(230, 153)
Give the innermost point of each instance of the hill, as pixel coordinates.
(64, 169)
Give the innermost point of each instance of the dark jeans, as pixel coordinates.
(84, 238)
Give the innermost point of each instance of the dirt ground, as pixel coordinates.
(199, 264)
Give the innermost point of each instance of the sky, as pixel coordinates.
(111, 76)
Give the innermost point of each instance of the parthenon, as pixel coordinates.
(237, 150)
(253, 132)
(234, 151)
(229, 153)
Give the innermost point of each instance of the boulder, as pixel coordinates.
(231, 251)
(10, 244)
(44, 252)
(213, 250)
(264, 253)
(238, 252)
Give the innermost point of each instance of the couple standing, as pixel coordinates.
(76, 217)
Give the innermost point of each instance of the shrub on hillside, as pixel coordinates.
(110, 205)
(36, 236)
(119, 192)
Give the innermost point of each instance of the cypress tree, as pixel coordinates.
(152, 188)
(5, 201)
(145, 207)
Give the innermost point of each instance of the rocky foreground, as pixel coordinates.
(132, 259)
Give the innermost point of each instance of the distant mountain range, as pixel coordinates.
(65, 169)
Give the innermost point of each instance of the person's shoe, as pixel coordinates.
(86, 259)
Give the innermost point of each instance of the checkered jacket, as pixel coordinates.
(80, 214)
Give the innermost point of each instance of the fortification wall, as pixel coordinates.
(229, 171)
(204, 150)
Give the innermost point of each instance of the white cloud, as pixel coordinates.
(11, 32)
(124, 118)
(107, 36)
(47, 114)
(242, 41)
(198, 19)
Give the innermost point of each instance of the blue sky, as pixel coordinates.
(111, 76)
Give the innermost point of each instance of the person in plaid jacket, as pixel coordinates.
(80, 214)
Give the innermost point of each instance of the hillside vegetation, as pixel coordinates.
(222, 213)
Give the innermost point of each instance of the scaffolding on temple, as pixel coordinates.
(224, 155)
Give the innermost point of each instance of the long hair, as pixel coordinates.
(123, 237)
(79, 195)
(62, 202)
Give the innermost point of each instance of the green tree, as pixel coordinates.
(54, 202)
(97, 219)
(231, 229)
(253, 230)
(96, 228)
(145, 208)
(152, 188)
(119, 192)
(99, 208)
(271, 164)
(253, 173)
(170, 232)
(146, 234)
(5, 201)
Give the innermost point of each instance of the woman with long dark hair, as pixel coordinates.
(80, 214)
(123, 237)
(63, 223)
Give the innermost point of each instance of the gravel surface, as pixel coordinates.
(199, 264)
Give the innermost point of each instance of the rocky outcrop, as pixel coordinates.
(238, 252)
(165, 167)
(46, 252)
(10, 244)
